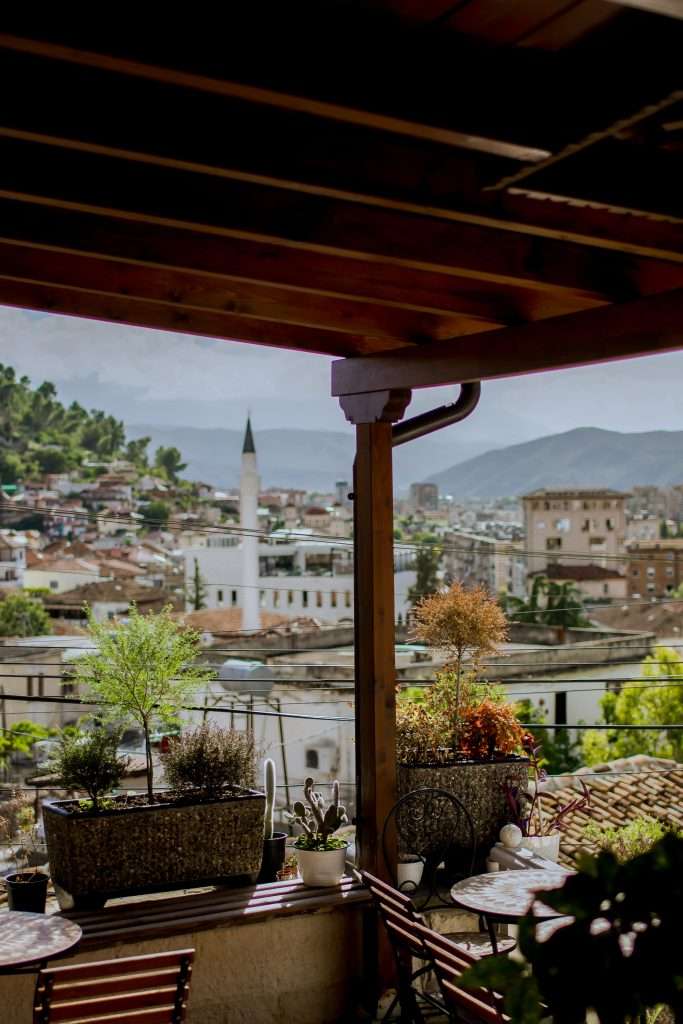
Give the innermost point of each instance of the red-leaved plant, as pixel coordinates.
(526, 806)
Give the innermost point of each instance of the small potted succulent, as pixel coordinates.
(541, 833)
(26, 886)
(273, 842)
(321, 854)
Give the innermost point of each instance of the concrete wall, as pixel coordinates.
(301, 969)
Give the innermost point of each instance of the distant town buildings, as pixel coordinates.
(476, 559)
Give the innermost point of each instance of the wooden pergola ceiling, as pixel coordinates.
(441, 172)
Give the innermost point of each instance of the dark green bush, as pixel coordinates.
(90, 761)
(210, 760)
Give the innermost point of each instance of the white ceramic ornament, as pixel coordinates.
(511, 836)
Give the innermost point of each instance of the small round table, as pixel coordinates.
(32, 939)
(506, 896)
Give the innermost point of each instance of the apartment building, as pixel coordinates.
(655, 569)
(575, 527)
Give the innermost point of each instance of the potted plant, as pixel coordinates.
(321, 855)
(460, 734)
(541, 833)
(143, 672)
(26, 886)
(273, 842)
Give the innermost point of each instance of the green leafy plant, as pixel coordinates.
(629, 841)
(22, 616)
(619, 956)
(20, 737)
(142, 672)
(90, 761)
(210, 761)
(317, 821)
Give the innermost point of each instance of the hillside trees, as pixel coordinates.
(38, 434)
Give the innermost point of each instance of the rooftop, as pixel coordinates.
(620, 790)
(577, 572)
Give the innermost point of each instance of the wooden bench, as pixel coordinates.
(191, 912)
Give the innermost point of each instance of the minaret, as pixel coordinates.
(249, 492)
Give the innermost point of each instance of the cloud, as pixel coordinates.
(164, 364)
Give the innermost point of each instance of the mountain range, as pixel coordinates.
(315, 459)
(307, 459)
(584, 457)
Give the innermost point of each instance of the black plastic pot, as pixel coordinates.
(273, 857)
(27, 891)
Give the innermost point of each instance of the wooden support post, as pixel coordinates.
(375, 674)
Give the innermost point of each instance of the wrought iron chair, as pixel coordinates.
(436, 825)
(464, 1005)
(151, 988)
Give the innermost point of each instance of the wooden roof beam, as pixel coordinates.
(669, 8)
(641, 327)
(114, 187)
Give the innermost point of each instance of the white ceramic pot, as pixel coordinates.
(409, 874)
(322, 867)
(544, 846)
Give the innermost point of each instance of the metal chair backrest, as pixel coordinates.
(472, 1006)
(430, 822)
(398, 914)
(149, 989)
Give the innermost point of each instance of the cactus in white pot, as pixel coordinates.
(321, 854)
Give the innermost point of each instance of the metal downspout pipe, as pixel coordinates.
(435, 419)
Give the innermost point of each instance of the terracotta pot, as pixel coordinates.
(322, 867)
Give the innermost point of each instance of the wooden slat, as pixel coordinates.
(105, 968)
(238, 259)
(62, 1009)
(188, 914)
(189, 290)
(309, 223)
(166, 317)
(641, 327)
(670, 8)
(270, 97)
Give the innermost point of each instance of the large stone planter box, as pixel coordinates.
(141, 849)
(481, 788)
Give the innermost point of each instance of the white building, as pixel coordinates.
(12, 560)
(293, 576)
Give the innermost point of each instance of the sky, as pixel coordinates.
(156, 377)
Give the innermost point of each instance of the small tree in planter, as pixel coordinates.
(142, 670)
(461, 736)
(136, 843)
(321, 854)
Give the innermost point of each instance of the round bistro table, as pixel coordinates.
(503, 897)
(30, 940)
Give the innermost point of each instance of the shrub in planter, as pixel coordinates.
(26, 888)
(209, 829)
(460, 734)
(321, 855)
